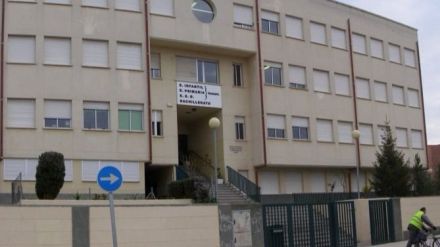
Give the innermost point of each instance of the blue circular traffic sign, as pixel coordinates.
(109, 178)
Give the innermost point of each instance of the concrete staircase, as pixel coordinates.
(227, 194)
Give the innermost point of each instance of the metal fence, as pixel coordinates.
(326, 225)
(243, 184)
(305, 198)
(16, 190)
(381, 221)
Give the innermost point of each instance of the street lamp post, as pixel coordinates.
(356, 134)
(214, 123)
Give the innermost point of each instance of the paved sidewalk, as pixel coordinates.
(395, 244)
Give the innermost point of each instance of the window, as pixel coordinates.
(321, 81)
(129, 56)
(376, 47)
(13, 167)
(96, 115)
(344, 131)
(272, 73)
(294, 27)
(131, 117)
(366, 134)
(394, 53)
(57, 113)
(95, 53)
(243, 16)
(131, 5)
(317, 33)
(275, 126)
(297, 77)
(381, 132)
(155, 66)
(21, 113)
(203, 11)
(380, 91)
(270, 22)
(338, 38)
(413, 98)
(362, 88)
(57, 51)
(398, 95)
(95, 3)
(237, 75)
(416, 139)
(58, 1)
(359, 43)
(162, 7)
(191, 69)
(324, 130)
(239, 128)
(21, 49)
(342, 84)
(129, 170)
(401, 137)
(156, 123)
(409, 57)
(300, 128)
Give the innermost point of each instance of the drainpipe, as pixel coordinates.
(423, 102)
(2, 71)
(147, 66)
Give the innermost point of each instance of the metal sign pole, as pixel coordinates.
(113, 221)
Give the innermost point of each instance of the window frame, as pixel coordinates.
(240, 128)
(295, 85)
(332, 28)
(270, 67)
(28, 100)
(34, 56)
(156, 73)
(314, 23)
(130, 111)
(95, 113)
(243, 25)
(302, 27)
(58, 120)
(372, 40)
(156, 125)
(403, 103)
(238, 77)
(279, 134)
(270, 23)
(300, 130)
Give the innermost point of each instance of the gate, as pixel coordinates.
(324, 225)
(381, 221)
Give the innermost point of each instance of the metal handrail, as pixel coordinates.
(243, 184)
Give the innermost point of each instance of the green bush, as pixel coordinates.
(191, 188)
(50, 175)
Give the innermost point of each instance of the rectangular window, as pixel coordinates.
(57, 113)
(416, 139)
(243, 16)
(58, 1)
(398, 95)
(131, 5)
(155, 66)
(129, 170)
(238, 76)
(344, 131)
(156, 123)
(21, 49)
(324, 130)
(362, 88)
(413, 98)
(196, 70)
(95, 3)
(401, 137)
(409, 57)
(57, 51)
(297, 77)
(359, 43)
(13, 167)
(394, 53)
(381, 131)
(131, 117)
(272, 73)
(207, 71)
(21, 113)
(294, 27)
(186, 69)
(276, 126)
(270, 22)
(239, 128)
(162, 7)
(95, 53)
(380, 91)
(376, 47)
(129, 56)
(338, 38)
(96, 115)
(366, 136)
(317, 33)
(300, 128)
(321, 81)
(342, 84)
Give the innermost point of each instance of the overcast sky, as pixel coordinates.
(423, 15)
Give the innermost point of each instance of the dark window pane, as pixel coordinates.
(276, 76)
(50, 122)
(153, 129)
(89, 119)
(241, 131)
(159, 129)
(237, 75)
(64, 123)
(203, 11)
(200, 71)
(210, 72)
(296, 132)
(268, 75)
(102, 119)
(305, 133)
(271, 132)
(273, 27)
(279, 133)
(265, 25)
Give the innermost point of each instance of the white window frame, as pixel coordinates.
(241, 20)
(300, 127)
(396, 91)
(399, 141)
(130, 7)
(55, 54)
(238, 76)
(392, 47)
(341, 89)
(336, 39)
(96, 106)
(157, 123)
(318, 85)
(417, 134)
(366, 137)
(240, 128)
(129, 56)
(292, 30)
(155, 69)
(269, 17)
(324, 138)
(25, 115)
(359, 43)
(359, 86)
(413, 98)
(377, 88)
(317, 39)
(409, 57)
(131, 107)
(373, 43)
(277, 131)
(95, 3)
(62, 2)
(28, 47)
(158, 9)
(271, 67)
(88, 50)
(123, 167)
(345, 136)
(51, 116)
(297, 79)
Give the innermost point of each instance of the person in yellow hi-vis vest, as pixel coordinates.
(416, 228)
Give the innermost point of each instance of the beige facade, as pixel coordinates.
(302, 36)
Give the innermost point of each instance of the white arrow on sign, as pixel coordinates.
(111, 178)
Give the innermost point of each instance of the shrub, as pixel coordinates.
(50, 175)
(191, 188)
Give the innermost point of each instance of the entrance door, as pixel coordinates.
(183, 147)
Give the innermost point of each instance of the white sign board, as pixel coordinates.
(242, 228)
(198, 94)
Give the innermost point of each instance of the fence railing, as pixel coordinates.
(313, 197)
(16, 190)
(243, 184)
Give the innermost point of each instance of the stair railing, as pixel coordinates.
(246, 186)
(199, 164)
